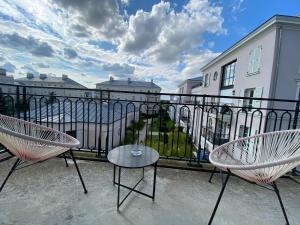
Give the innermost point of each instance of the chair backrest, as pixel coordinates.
(30, 141)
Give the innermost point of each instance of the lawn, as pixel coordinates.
(175, 144)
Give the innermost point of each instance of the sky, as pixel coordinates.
(91, 40)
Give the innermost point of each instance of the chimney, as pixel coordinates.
(111, 78)
(2, 72)
(64, 77)
(29, 76)
(129, 79)
(152, 81)
(43, 76)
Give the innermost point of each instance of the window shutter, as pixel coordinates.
(257, 94)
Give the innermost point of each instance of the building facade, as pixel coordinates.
(59, 86)
(147, 96)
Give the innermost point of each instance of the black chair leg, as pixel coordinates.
(10, 172)
(281, 203)
(67, 165)
(212, 174)
(79, 174)
(219, 199)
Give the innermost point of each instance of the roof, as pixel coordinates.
(292, 20)
(194, 79)
(52, 79)
(129, 83)
(66, 112)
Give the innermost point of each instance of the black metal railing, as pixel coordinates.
(182, 129)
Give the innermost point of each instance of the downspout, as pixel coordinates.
(277, 54)
(274, 78)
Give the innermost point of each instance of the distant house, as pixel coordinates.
(91, 122)
(180, 113)
(149, 96)
(44, 81)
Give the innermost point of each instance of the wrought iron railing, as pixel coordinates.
(178, 129)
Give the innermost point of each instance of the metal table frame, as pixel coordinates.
(133, 189)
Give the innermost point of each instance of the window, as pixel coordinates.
(251, 93)
(206, 80)
(215, 76)
(249, 102)
(243, 131)
(254, 60)
(228, 75)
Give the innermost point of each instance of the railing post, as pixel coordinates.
(100, 128)
(17, 105)
(296, 115)
(108, 121)
(200, 135)
(24, 104)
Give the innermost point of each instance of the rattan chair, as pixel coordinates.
(33, 143)
(260, 159)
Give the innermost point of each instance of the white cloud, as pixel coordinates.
(193, 63)
(149, 45)
(165, 34)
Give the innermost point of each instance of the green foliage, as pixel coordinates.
(132, 131)
(167, 143)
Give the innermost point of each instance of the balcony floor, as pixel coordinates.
(50, 193)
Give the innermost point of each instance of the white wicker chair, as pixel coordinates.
(35, 143)
(260, 159)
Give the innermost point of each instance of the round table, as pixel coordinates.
(122, 157)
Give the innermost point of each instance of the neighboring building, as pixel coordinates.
(44, 81)
(186, 88)
(181, 112)
(89, 122)
(150, 89)
(264, 64)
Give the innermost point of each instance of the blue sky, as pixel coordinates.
(167, 41)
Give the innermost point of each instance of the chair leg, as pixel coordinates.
(281, 203)
(67, 165)
(212, 174)
(219, 199)
(10, 172)
(79, 174)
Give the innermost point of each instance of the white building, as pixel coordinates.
(181, 113)
(92, 123)
(44, 81)
(149, 97)
(264, 64)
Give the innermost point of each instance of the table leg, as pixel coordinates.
(154, 181)
(119, 182)
(114, 181)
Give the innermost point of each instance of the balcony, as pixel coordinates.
(50, 193)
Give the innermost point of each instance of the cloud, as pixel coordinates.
(29, 69)
(70, 53)
(30, 44)
(2, 58)
(41, 65)
(79, 31)
(193, 63)
(103, 15)
(118, 69)
(165, 34)
(9, 67)
(237, 6)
